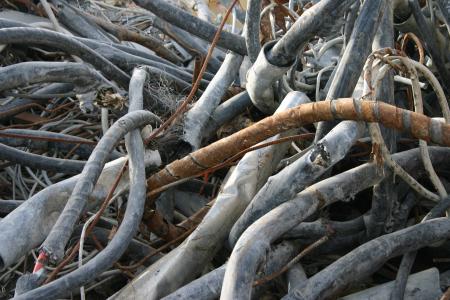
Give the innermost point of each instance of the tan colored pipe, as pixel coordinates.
(420, 126)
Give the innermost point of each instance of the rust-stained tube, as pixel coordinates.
(420, 126)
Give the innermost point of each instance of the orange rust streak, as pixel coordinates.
(215, 153)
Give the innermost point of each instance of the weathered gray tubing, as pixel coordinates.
(350, 21)
(323, 19)
(22, 74)
(251, 246)
(27, 35)
(124, 57)
(420, 286)
(294, 178)
(277, 57)
(319, 228)
(350, 66)
(402, 11)
(407, 23)
(78, 24)
(187, 41)
(401, 280)
(7, 206)
(38, 214)
(260, 78)
(185, 262)
(23, 158)
(136, 249)
(132, 217)
(438, 53)
(193, 25)
(208, 286)
(296, 276)
(337, 244)
(444, 7)
(384, 194)
(199, 114)
(252, 28)
(60, 234)
(226, 112)
(368, 257)
(8, 23)
(127, 61)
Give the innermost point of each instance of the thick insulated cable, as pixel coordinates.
(76, 23)
(7, 206)
(81, 75)
(350, 66)
(277, 57)
(350, 19)
(133, 214)
(21, 35)
(251, 28)
(188, 42)
(281, 187)
(319, 19)
(253, 243)
(226, 112)
(193, 25)
(124, 57)
(67, 166)
(197, 117)
(384, 194)
(175, 269)
(79, 47)
(418, 125)
(208, 286)
(365, 259)
(57, 239)
(125, 34)
(43, 209)
(321, 227)
(444, 7)
(113, 49)
(45, 140)
(7, 23)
